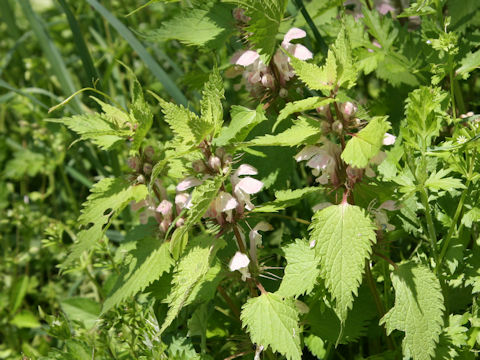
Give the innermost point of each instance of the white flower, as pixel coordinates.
(256, 238)
(240, 262)
(322, 159)
(188, 183)
(389, 139)
(244, 187)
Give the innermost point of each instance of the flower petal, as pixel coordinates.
(246, 169)
(293, 33)
(238, 261)
(389, 139)
(188, 183)
(250, 185)
(307, 152)
(225, 201)
(165, 208)
(245, 58)
(301, 52)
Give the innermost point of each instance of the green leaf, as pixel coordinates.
(346, 68)
(25, 319)
(108, 197)
(179, 120)
(211, 104)
(83, 310)
(141, 113)
(316, 346)
(198, 27)
(468, 64)
(364, 145)
(243, 121)
(302, 270)
(265, 18)
(303, 131)
(189, 275)
(315, 77)
(104, 130)
(300, 106)
(470, 217)
(149, 261)
(273, 321)
(286, 198)
(418, 310)
(344, 236)
(437, 181)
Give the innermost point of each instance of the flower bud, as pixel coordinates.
(198, 166)
(325, 126)
(214, 162)
(180, 222)
(268, 81)
(337, 127)
(149, 152)
(141, 179)
(283, 93)
(133, 163)
(147, 168)
(348, 109)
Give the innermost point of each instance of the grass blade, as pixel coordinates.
(57, 64)
(142, 52)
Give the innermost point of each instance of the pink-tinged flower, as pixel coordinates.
(224, 202)
(348, 109)
(322, 159)
(381, 217)
(240, 262)
(244, 187)
(188, 183)
(256, 238)
(297, 50)
(181, 201)
(389, 139)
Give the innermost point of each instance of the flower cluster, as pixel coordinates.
(260, 77)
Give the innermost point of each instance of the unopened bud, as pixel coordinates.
(337, 127)
(147, 168)
(198, 166)
(214, 162)
(141, 179)
(133, 163)
(180, 222)
(149, 152)
(283, 93)
(325, 126)
(348, 109)
(268, 81)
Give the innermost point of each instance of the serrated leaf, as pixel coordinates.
(418, 310)
(273, 321)
(190, 272)
(149, 261)
(344, 236)
(468, 64)
(286, 198)
(316, 346)
(300, 106)
(140, 113)
(265, 18)
(346, 68)
(100, 129)
(211, 104)
(179, 120)
(303, 131)
(243, 121)
(83, 310)
(108, 197)
(470, 217)
(364, 145)
(302, 270)
(315, 77)
(437, 181)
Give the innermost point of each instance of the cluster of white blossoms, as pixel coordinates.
(259, 76)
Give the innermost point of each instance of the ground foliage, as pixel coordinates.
(239, 179)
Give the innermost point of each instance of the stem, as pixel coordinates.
(229, 301)
(320, 42)
(431, 228)
(238, 237)
(452, 87)
(390, 261)
(340, 116)
(301, 221)
(458, 211)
